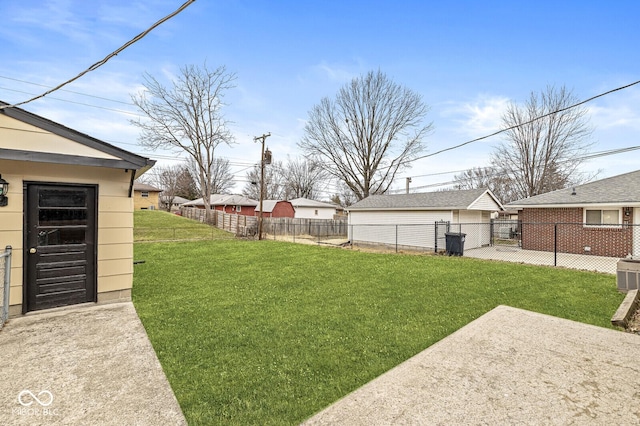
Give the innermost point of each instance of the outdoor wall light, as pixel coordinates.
(4, 189)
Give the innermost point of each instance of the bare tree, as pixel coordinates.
(542, 155)
(303, 178)
(368, 133)
(222, 180)
(166, 178)
(188, 117)
(274, 188)
(344, 197)
(486, 177)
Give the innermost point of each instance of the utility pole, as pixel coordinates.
(408, 182)
(262, 162)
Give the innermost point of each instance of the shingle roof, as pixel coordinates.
(305, 202)
(175, 200)
(621, 189)
(138, 186)
(442, 200)
(224, 200)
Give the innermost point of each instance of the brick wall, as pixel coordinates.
(572, 236)
(140, 202)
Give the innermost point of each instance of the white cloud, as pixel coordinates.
(334, 73)
(478, 117)
(622, 115)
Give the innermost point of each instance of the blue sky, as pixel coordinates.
(467, 59)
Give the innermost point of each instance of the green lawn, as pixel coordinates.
(266, 332)
(154, 225)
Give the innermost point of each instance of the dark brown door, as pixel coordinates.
(60, 245)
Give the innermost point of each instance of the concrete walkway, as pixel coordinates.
(83, 365)
(608, 265)
(509, 366)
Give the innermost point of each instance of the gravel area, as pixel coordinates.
(634, 324)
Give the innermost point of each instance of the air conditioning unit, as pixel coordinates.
(628, 274)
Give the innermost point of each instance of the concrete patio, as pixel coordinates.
(83, 365)
(515, 254)
(509, 366)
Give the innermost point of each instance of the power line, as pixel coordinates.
(523, 124)
(77, 103)
(106, 58)
(64, 90)
(590, 156)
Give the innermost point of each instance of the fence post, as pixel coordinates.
(396, 238)
(435, 237)
(491, 229)
(555, 244)
(7, 285)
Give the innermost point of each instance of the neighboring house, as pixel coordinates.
(145, 197)
(275, 208)
(232, 204)
(508, 214)
(176, 203)
(312, 209)
(68, 213)
(411, 218)
(592, 218)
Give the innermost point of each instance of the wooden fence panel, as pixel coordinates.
(244, 226)
(311, 227)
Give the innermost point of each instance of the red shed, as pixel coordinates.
(275, 208)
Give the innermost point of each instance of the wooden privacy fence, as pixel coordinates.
(247, 226)
(313, 227)
(240, 225)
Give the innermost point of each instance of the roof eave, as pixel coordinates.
(575, 205)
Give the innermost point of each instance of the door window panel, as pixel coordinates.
(60, 217)
(62, 198)
(61, 236)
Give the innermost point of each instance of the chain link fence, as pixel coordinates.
(5, 271)
(571, 245)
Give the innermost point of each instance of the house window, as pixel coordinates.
(238, 208)
(316, 212)
(145, 194)
(602, 217)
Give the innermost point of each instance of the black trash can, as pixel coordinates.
(455, 243)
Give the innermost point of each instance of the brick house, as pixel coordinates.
(601, 218)
(230, 204)
(275, 208)
(145, 197)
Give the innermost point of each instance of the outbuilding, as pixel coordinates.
(313, 209)
(68, 213)
(420, 220)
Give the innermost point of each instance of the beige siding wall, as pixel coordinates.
(115, 220)
(22, 136)
(140, 202)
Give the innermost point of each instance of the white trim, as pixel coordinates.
(602, 225)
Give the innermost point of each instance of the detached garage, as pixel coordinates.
(409, 220)
(68, 213)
